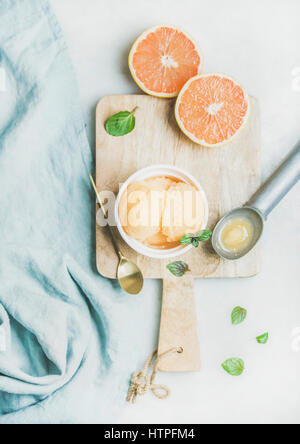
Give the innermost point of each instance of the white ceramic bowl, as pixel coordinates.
(146, 173)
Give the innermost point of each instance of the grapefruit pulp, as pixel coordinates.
(163, 59)
(211, 109)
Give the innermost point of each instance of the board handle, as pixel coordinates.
(178, 326)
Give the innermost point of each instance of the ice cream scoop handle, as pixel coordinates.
(279, 184)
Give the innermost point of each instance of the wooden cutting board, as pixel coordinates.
(229, 176)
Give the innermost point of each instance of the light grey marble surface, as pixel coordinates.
(258, 42)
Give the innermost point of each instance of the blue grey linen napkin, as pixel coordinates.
(65, 347)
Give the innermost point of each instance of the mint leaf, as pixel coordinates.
(238, 315)
(234, 366)
(263, 339)
(120, 124)
(178, 268)
(195, 239)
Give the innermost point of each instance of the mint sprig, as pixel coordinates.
(196, 238)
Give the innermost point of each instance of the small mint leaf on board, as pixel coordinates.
(120, 124)
(195, 239)
(234, 366)
(238, 315)
(178, 268)
(263, 339)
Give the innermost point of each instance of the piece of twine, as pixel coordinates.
(140, 382)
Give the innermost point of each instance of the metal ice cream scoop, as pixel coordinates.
(257, 210)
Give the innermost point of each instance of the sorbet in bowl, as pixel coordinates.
(156, 207)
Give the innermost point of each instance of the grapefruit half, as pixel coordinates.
(163, 59)
(211, 109)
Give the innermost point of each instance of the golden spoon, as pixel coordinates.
(129, 275)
